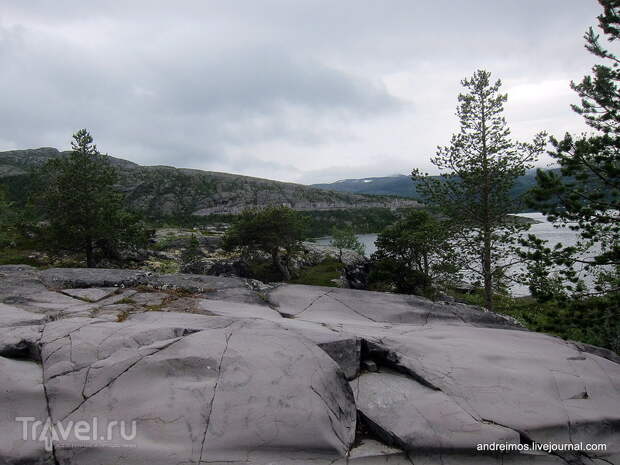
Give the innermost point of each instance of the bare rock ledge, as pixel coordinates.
(211, 370)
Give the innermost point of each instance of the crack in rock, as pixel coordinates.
(316, 299)
(211, 403)
(156, 351)
(383, 356)
(337, 415)
(352, 309)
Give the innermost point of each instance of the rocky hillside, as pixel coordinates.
(203, 369)
(164, 190)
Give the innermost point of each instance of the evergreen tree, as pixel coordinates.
(585, 195)
(6, 220)
(271, 230)
(345, 238)
(477, 171)
(84, 211)
(192, 252)
(412, 255)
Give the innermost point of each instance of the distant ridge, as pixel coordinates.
(169, 191)
(402, 186)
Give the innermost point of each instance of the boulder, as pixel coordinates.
(313, 254)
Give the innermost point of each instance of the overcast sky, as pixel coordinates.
(295, 90)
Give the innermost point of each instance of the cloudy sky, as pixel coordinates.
(296, 90)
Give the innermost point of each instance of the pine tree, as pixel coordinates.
(192, 252)
(6, 220)
(477, 171)
(271, 230)
(413, 255)
(84, 211)
(585, 194)
(345, 238)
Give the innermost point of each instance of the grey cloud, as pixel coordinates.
(254, 87)
(259, 80)
(181, 106)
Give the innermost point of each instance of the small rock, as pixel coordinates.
(370, 365)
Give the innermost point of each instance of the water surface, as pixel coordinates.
(543, 229)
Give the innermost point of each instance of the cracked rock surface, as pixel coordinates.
(212, 370)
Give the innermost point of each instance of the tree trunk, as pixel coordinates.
(487, 271)
(486, 217)
(90, 259)
(277, 261)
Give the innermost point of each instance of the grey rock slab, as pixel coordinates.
(312, 303)
(151, 299)
(21, 396)
(114, 308)
(194, 283)
(16, 268)
(18, 281)
(60, 329)
(182, 305)
(346, 352)
(343, 347)
(90, 295)
(170, 410)
(413, 310)
(48, 302)
(386, 308)
(258, 375)
(280, 392)
(349, 305)
(416, 417)
(20, 342)
(600, 351)
(64, 278)
(188, 321)
(245, 294)
(238, 310)
(13, 316)
(477, 316)
(525, 381)
(249, 389)
(116, 297)
(69, 278)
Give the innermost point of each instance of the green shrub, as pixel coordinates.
(595, 320)
(322, 274)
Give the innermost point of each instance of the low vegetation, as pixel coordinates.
(591, 320)
(326, 273)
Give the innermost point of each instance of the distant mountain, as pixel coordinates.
(402, 185)
(168, 191)
(399, 185)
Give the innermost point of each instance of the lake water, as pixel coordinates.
(544, 230)
(367, 239)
